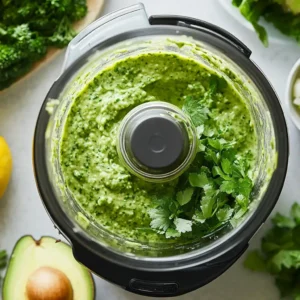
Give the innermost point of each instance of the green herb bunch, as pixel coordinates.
(276, 12)
(216, 188)
(29, 27)
(280, 253)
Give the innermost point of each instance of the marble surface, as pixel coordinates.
(21, 210)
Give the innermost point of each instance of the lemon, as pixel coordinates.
(5, 165)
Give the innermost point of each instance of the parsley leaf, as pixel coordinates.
(280, 254)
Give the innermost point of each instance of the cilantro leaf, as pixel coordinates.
(199, 131)
(226, 166)
(242, 200)
(198, 180)
(224, 213)
(228, 187)
(215, 144)
(198, 217)
(280, 254)
(172, 233)
(229, 154)
(160, 219)
(184, 197)
(207, 202)
(183, 225)
(211, 156)
(217, 171)
(197, 112)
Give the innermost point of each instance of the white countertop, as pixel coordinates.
(21, 210)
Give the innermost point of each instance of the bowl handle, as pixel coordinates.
(120, 21)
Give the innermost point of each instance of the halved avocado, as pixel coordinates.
(46, 269)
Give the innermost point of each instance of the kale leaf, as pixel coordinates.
(29, 27)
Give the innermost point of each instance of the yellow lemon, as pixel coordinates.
(5, 165)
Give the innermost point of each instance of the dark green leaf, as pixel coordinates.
(262, 33)
(230, 154)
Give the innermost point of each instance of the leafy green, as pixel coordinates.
(284, 15)
(3, 262)
(280, 253)
(183, 225)
(215, 190)
(29, 27)
(184, 197)
(198, 180)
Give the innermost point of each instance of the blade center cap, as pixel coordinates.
(158, 142)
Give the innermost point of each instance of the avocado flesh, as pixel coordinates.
(29, 255)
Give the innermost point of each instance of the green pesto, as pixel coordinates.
(90, 165)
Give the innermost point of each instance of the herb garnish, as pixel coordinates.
(216, 188)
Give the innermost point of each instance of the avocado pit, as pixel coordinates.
(47, 283)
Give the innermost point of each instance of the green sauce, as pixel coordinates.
(104, 188)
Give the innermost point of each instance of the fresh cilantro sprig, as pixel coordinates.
(280, 253)
(216, 188)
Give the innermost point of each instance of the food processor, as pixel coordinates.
(145, 268)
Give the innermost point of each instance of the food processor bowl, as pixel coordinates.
(158, 269)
